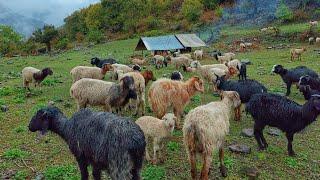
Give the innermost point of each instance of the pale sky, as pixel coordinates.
(49, 11)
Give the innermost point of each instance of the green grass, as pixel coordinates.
(54, 160)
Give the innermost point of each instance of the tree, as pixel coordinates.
(9, 39)
(75, 23)
(284, 13)
(95, 16)
(45, 35)
(192, 9)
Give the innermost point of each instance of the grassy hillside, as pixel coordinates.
(21, 154)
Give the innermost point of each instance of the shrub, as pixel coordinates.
(95, 36)
(15, 154)
(219, 11)
(173, 146)
(61, 172)
(210, 4)
(153, 173)
(192, 9)
(62, 43)
(284, 13)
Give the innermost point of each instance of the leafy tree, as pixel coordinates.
(45, 35)
(9, 39)
(95, 35)
(114, 13)
(75, 23)
(95, 16)
(192, 9)
(284, 13)
(210, 4)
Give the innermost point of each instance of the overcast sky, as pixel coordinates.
(49, 11)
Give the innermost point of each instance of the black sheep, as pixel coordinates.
(278, 111)
(292, 76)
(101, 139)
(242, 71)
(99, 63)
(314, 83)
(176, 75)
(307, 91)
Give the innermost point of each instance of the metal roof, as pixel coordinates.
(190, 40)
(159, 43)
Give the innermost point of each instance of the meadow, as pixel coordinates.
(22, 156)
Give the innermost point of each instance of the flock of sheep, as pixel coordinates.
(108, 141)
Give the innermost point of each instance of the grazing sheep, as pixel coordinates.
(278, 111)
(314, 83)
(99, 63)
(313, 23)
(242, 47)
(180, 61)
(176, 75)
(307, 91)
(311, 40)
(165, 93)
(160, 61)
(318, 40)
(80, 72)
(205, 129)
(122, 67)
(198, 54)
(243, 71)
(138, 61)
(246, 89)
(157, 130)
(148, 75)
(100, 139)
(296, 53)
(292, 76)
(35, 76)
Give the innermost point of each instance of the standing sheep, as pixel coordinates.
(205, 129)
(80, 72)
(198, 54)
(99, 63)
(296, 53)
(116, 67)
(166, 93)
(307, 80)
(103, 140)
(138, 61)
(160, 61)
(318, 40)
(148, 75)
(157, 130)
(36, 76)
(180, 61)
(307, 91)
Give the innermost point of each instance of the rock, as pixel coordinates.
(251, 172)
(39, 176)
(270, 47)
(274, 132)
(248, 132)
(4, 108)
(240, 148)
(9, 174)
(51, 103)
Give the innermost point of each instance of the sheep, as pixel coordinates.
(248, 45)
(80, 72)
(311, 40)
(246, 89)
(292, 76)
(148, 75)
(180, 61)
(136, 67)
(35, 76)
(225, 58)
(185, 55)
(236, 64)
(285, 114)
(243, 71)
(99, 63)
(160, 61)
(242, 47)
(307, 91)
(205, 129)
(102, 93)
(176, 75)
(100, 139)
(296, 53)
(157, 129)
(122, 67)
(165, 93)
(313, 23)
(138, 61)
(306, 80)
(318, 40)
(190, 69)
(198, 54)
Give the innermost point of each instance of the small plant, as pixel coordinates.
(261, 156)
(21, 175)
(274, 150)
(153, 173)
(177, 133)
(18, 99)
(15, 154)
(20, 129)
(37, 107)
(196, 99)
(61, 172)
(50, 82)
(5, 91)
(173, 146)
(228, 161)
(291, 162)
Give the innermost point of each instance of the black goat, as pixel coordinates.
(307, 91)
(243, 71)
(307, 80)
(278, 111)
(292, 76)
(103, 140)
(176, 75)
(99, 63)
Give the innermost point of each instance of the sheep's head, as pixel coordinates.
(233, 96)
(278, 69)
(105, 68)
(315, 101)
(94, 61)
(127, 83)
(169, 119)
(108, 67)
(232, 71)
(304, 89)
(219, 80)
(148, 74)
(47, 71)
(136, 67)
(304, 80)
(176, 75)
(197, 83)
(42, 120)
(195, 64)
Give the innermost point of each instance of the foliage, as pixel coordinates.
(61, 172)
(153, 173)
(21, 175)
(95, 35)
(9, 39)
(284, 13)
(219, 11)
(173, 146)
(62, 43)
(45, 35)
(15, 154)
(192, 9)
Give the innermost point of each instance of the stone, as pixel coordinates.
(274, 132)
(248, 132)
(240, 148)
(4, 108)
(39, 176)
(251, 172)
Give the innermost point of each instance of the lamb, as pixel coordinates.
(157, 129)
(225, 58)
(100, 139)
(242, 47)
(278, 111)
(314, 83)
(296, 53)
(318, 40)
(198, 54)
(313, 23)
(165, 93)
(148, 75)
(311, 40)
(243, 71)
(35, 76)
(307, 91)
(99, 63)
(138, 61)
(180, 61)
(292, 76)
(160, 61)
(246, 89)
(80, 72)
(176, 75)
(102, 93)
(205, 129)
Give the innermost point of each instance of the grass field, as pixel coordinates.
(24, 157)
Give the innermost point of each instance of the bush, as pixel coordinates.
(210, 4)
(219, 11)
(15, 154)
(61, 172)
(95, 36)
(62, 43)
(192, 9)
(284, 13)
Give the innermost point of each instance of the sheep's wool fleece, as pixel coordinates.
(151, 126)
(86, 72)
(27, 73)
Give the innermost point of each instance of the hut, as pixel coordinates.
(189, 41)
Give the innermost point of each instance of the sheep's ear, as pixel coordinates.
(198, 86)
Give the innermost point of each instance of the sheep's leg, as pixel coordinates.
(223, 168)
(288, 89)
(257, 135)
(156, 148)
(205, 166)
(177, 113)
(290, 139)
(238, 113)
(83, 168)
(96, 173)
(263, 140)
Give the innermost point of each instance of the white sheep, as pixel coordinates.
(213, 75)
(80, 72)
(318, 40)
(159, 61)
(296, 53)
(138, 61)
(205, 129)
(198, 54)
(236, 64)
(180, 61)
(311, 40)
(35, 76)
(226, 57)
(313, 23)
(157, 129)
(242, 47)
(122, 67)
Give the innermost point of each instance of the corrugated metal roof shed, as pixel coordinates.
(190, 40)
(159, 43)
